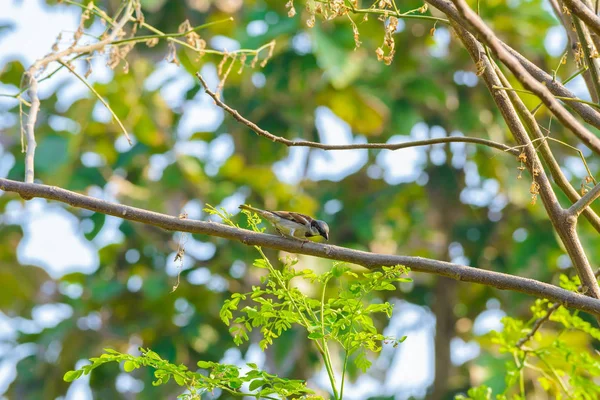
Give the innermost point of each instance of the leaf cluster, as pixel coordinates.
(560, 362)
(210, 376)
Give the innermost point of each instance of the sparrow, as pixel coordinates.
(292, 224)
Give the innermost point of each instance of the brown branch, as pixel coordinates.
(585, 14)
(589, 115)
(589, 52)
(528, 81)
(382, 146)
(545, 151)
(564, 225)
(541, 320)
(366, 259)
(585, 201)
(567, 23)
(33, 84)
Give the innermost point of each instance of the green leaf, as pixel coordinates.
(316, 335)
(204, 364)
(70, 376)
(129, 366)
(342, 66)
(180, 380)
(255, 384)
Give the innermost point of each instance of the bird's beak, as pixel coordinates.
(325, 235)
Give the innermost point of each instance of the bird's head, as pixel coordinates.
(322, 228)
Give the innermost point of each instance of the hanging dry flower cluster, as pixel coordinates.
(386, 10)
(388, 42)
(534, 188)
(586, 185)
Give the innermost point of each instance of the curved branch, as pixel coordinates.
(366, 259)
(387, 146)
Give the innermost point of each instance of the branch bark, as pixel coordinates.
(489, 38)
(589, 115)
(582, 204)
(381, 146)
(564, 225)
(365, 259)
(585, 14)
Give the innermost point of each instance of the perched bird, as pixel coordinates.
(291, 224)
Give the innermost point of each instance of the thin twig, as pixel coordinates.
(584, 201)
(366, 259)
(589, 52)
(589, 103)
(528, 81)
(541, 320)
(388, 146)
(99, 97)
(33, 85)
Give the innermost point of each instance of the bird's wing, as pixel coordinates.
(298, 218)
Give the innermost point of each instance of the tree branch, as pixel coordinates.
(555, 171)
(366, 259)
(382, 146)
(585, 14)
(33, 85)
(564, 226)
(488, 36)
(589, 115)
(584, 201)
(541, 320)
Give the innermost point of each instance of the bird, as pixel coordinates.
(292, 224)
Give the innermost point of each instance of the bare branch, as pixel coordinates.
(486, 34)
(545, 151)
(30, 128)
(383, 146)
(366, 259)
(565, 226)
(585, 14)
(32, 92)
(590, 53)
(589, 115)
(585, 201)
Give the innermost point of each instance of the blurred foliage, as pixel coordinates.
(461, 203)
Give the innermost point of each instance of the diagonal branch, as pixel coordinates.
(383, 146)
(545, 151)
(589, 115)
(489, 38)
(366, 259)
(564, 226)
(584, 201)
(585, 14)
